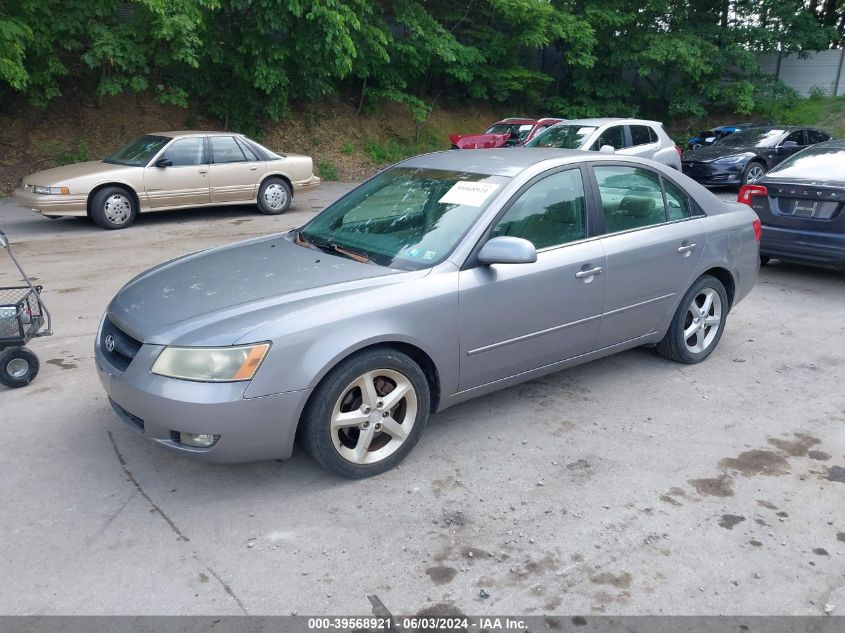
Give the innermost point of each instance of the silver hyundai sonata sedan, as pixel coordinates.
(443, 278)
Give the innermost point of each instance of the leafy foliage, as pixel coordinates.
(245, 61)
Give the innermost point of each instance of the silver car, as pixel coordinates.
(628, 137)
(443, 278)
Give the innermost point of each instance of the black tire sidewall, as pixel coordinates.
(8, 355)
(262, 206)
(315, 434)
(677, 327)
(98, 214)
(748, 168)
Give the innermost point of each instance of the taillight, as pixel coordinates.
(758, 229)
(748, 191)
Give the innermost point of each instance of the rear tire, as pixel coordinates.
(698, 323)
(274, 196)
(18, 367)
(113, 208)
(352, 427)
(764, 260)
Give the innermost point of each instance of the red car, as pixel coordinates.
(505, 133)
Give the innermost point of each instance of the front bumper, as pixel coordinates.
(713, 174)
(71, 204)
(805, 247)
(159, 408)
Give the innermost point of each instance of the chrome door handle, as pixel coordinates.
(686, 248)
(588, 273)
(253, 168)
(203, 171)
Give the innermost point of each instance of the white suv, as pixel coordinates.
(630, 137)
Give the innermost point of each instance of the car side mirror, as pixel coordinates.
(507, 250)
(607, 149)
(164, 162)
(789, 144)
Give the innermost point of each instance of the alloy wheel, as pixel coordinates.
(755, 173)
(703, 320)
(373, 416)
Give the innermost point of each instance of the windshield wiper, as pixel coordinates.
(331, 247)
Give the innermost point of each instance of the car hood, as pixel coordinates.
(478, 141)
(59, 175)
(217, 297)
(708, 153)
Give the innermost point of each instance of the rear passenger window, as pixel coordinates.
(549, 213)
(814, 136)
(678, 204)
(640, 135)
(226, 150)
(631, 197)
(652, 135)
(247, 150)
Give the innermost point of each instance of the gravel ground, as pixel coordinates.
(629, 485)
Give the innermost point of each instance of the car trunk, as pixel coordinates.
(798, 206)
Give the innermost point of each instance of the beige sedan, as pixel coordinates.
(170, 170)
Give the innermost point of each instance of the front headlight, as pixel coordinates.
(51, 191)
(729, 160)
(211, 364)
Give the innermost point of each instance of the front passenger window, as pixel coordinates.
(631, 197)
(613, 136)
(549, 213)
(187, 151)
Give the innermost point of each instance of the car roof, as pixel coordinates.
(178, 133)
(597, 122)
(516, 120)
(493, 162)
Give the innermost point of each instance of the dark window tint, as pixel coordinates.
(613, 136)
(640, 134)
(631, 197)
(816, 162)
(678, 204)
(814, 136)
(549, 213)
(226, 150)
(186, 151)
(796, 137)
(652, 135)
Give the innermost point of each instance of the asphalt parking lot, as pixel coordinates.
(629, 485)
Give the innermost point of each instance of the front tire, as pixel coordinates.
(113, 208)
(274, 196)
(753, 172)
(367, 414)
(698, 323)
(18, 367)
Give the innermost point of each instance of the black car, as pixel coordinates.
(746, 155)
(801, 204)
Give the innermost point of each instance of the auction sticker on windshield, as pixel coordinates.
(473, 194)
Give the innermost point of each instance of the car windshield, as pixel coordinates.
(403, 218)
(562, 136)
(516, 130)
(139, 152)
(816, 163)
(755, 137)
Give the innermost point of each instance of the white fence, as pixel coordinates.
(823, 70)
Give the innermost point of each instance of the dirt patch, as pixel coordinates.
(767, 504)
(61, 364)
(820, 551)
(454, 517)
(728, 521)
(818, 455)
(721, 486)
(840, 536)
(441, 574)
(757, 462)
(621, 581)
(670, 500)
(797, 447)
(755, 543)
